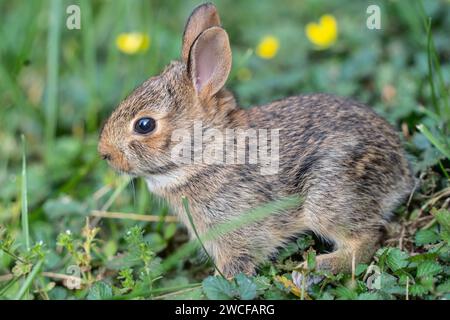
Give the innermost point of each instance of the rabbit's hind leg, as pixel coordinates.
(349, 250)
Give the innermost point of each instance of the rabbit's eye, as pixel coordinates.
(145, 125)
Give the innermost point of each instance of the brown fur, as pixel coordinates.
(346, 162)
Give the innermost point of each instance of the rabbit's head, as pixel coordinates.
(137, 138)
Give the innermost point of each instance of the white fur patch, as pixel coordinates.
(171, 179)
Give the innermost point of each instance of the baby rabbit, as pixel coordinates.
(345, 162)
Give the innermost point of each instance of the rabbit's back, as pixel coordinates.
(340, 154)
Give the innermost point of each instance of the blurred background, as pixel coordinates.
(58, 85)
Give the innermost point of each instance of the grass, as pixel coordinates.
(24, 197)
(438, 144)
(62, 210)
(51, 116)
(29, 280)
(25, 228)
(192, 225)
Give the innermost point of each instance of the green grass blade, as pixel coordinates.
(255, 215)
(191, 221)
(28, 281)
(430, 69)
(24, 196)
(51, 114)
(8, 285)
(181, 253)
(79, 175)
(442, 86)
(434, 67)
(444, 171)
(141, 293)
(435, 141)
(122, 185)
(90, 66)
(430, 114)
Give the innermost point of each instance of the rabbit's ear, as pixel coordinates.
(210, 61)
(203, 17)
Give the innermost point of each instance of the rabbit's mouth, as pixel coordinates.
(123, 171)
(119, 164)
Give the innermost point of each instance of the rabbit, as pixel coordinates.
(344, 161)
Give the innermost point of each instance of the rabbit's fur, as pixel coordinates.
(345, 162)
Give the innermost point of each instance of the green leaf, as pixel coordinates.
(417, 290)
(218, 288)
(245, 287)
(100, 291)
(444, 287)
(382, 255)
(311, 259)
(262, 283)
(360, 268)
(369, 296)
(170, 230)
(396, 259)
(426, 237)
(423, 257)
(443, 217)
(445, 236)
(110, 248)
(428, 268)
(58, 293)
(275, 294)
(389, 284)
(427, 283)
(287, 251)
(305, 242)
(345, 293)
(326, 296)
(156, 242)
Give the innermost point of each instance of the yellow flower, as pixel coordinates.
(268, 47)
(322, 34)
(133, 42)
